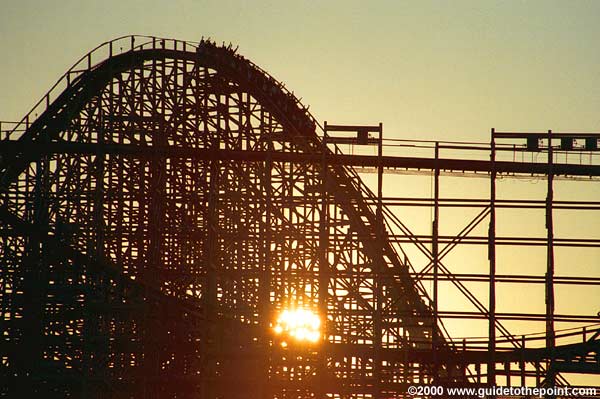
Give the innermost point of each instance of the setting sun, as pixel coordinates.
(299, 325)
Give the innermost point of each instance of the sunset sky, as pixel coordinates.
(430, 69)
(435, 70)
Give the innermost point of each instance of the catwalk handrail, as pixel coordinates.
(85, 63)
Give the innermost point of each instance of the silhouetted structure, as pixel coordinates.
(170, 198)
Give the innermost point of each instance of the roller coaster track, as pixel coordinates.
(148, 252)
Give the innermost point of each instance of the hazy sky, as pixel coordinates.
(446, 70)
(430, 69)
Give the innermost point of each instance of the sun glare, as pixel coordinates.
(299, 325)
